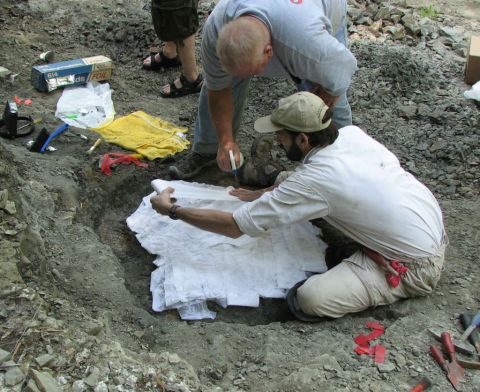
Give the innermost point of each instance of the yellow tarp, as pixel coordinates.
(150, 136)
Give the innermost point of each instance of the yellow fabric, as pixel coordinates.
(149, 136)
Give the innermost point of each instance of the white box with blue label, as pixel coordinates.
(49, 77)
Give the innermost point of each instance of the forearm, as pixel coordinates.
(218, 222)
(220, 105)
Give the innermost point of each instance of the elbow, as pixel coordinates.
(234, 234)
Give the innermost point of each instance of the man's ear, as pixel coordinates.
(268, 51)
(302, 140)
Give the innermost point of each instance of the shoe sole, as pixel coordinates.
(176, 173)
(293, 307)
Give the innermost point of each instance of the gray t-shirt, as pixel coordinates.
(303, 39)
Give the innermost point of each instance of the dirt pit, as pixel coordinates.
(74, 282)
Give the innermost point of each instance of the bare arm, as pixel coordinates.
(330, 100)
(250, 195)
(220, 104)
(218, 222)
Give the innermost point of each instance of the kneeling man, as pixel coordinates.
(358, 186)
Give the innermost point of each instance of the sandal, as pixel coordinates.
(163, 64)
(187, 87)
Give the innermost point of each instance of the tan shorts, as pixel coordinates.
(358, 283)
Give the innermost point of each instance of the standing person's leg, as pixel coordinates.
(190, 81)
(205, 145)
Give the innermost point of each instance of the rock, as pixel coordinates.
(45, 360)
(385, 367)
(32, 387)
(400, 360)
(376, 26)
(354, 13)
(4, 72)
(439, 145)
(44, 381)
(4, 356)
(397, 32)
(79, 386)
(101, 387)
(456, 33)
(407, 111)
(384, 13)
(14, 376)
(411, 24)
(93, 378)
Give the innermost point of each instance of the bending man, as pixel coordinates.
(356, 185)
(301, 40)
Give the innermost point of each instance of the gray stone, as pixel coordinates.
(407, 111)
(44, 381)
(385, 367)
(400, 360)
(439, 145)
(456, 33)
(14, 376)
(4, 356)
(411, 24)
(4, 72)
(79, 386)
(397, 32)
(93, 378)
(45, 360)
(32, 387)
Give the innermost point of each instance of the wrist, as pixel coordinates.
(172, 211)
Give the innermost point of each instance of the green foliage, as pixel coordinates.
(428, 12)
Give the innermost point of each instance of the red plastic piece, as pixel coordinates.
(378, 351)
(401, 269)
(116, 158)
(19, 101)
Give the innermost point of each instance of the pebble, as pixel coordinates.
(14, 376)
(44, 381)
(385, 367)
(4, 356)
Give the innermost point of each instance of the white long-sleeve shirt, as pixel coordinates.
(358, 186)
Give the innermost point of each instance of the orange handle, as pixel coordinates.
(438, 357)
(448, 345)
(423, 385)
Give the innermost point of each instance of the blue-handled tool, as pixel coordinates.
(53, 135)
(474, 324)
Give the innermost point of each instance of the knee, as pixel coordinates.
(313, 298)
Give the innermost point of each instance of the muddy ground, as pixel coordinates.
(74, 283)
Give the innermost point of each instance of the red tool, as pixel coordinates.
(438, 356)
(423, 385)
(450, 349)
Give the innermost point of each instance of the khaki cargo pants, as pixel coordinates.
(357, 283)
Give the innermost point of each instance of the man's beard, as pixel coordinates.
(294, 153)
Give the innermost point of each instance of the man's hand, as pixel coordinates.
(163, 201)
(247, 194)
(223, 156)
(330, 100)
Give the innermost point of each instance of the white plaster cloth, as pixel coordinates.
(195, 266)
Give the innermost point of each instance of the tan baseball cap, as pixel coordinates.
(300, 112)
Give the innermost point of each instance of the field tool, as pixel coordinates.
(455, 373)
(459, 347)
(423, 385)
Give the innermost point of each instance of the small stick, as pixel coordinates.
(95, 145)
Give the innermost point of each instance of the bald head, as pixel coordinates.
(244, 46)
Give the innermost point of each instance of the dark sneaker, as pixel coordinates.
(191, 164)
(295, 308)
(260, 170)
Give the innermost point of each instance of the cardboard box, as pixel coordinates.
(472, 68)
(49, 77)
